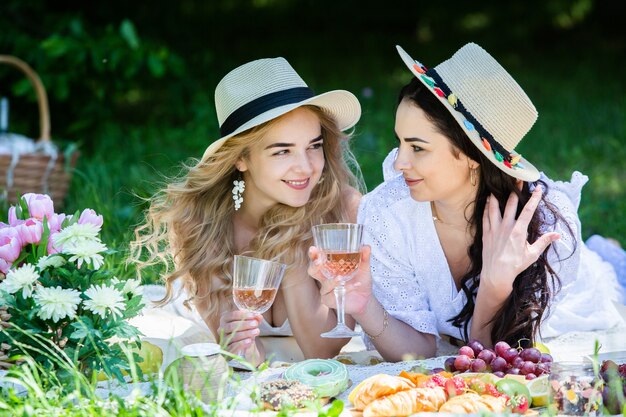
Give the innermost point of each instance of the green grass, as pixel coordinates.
(581, 126)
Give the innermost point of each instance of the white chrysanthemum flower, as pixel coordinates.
(20, 279)
(103, 300)
(133, 286)
(56, 303)
(87, 251)
(50, 261)
(76, 233)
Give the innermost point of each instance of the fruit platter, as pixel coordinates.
(502, 380)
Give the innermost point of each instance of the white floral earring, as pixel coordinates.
(238, 189)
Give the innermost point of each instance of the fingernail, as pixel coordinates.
(250, 315)
(255, 331)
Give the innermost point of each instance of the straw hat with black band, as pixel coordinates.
(265, 89)
(486, 102)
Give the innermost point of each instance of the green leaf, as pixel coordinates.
(128, 32)
(125, 331)
(7, 299)
(157, 68)
(84, 327)
(335, 409)
(42, 247)
(21, 210)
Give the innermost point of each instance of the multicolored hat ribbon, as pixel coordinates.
(432, 79)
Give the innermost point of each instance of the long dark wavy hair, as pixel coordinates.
(520, 317)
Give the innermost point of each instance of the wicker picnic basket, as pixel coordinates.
(37, 172)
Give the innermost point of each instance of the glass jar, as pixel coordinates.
(201, 369)
(574, 390)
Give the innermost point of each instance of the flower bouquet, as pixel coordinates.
(57, 304)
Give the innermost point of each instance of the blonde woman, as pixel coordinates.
(279, 168)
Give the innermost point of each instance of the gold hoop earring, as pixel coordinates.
(474, 176)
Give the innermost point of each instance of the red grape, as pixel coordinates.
(531, 376)
(546, 358)
(501, 347)
(467, 351)
(499, 374)
(498, 364)
(449, 364)
(478, 365)
(513, 371)
(509, 355)
(531, 354)
(541, 369)
(487, 355)
(517, 362)
(476, 346)
(527, 367)
(462, 363)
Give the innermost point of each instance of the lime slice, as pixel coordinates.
(519, 378)
(539, 388)
(483, 376)
(542, 348)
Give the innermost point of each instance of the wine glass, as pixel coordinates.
(255, 283)
(340, 244)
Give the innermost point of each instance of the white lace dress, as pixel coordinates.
(412, 280)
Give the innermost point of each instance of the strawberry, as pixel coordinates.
(455, 386)
(477, 385)
(429, 383)
(439, 379)
(518, 404)
(491, 389)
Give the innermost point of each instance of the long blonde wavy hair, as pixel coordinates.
(189, 226)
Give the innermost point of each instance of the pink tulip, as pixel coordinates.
(13, 221)
(10, 244)
(90, 216)
(39, 205)
(55, 221)
(4, 266)
(30, 231)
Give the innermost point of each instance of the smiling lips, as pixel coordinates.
(411, 182)
(297, 184)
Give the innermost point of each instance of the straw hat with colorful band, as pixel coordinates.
(265, 89)
(486, 102)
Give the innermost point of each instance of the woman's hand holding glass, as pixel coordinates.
(255, 284)
(358, 289)
(238, 331)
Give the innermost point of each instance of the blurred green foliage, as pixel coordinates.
(133, 82)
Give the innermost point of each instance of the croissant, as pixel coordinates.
(377, 386)
(473, 403)
(405, 403)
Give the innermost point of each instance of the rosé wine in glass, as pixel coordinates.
(256, 300)
(255, 284)
(340, 245)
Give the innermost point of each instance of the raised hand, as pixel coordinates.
(238, 331)
(506, 250)
(358, 289)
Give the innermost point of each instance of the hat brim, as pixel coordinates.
(524, 170)
(341, 105)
